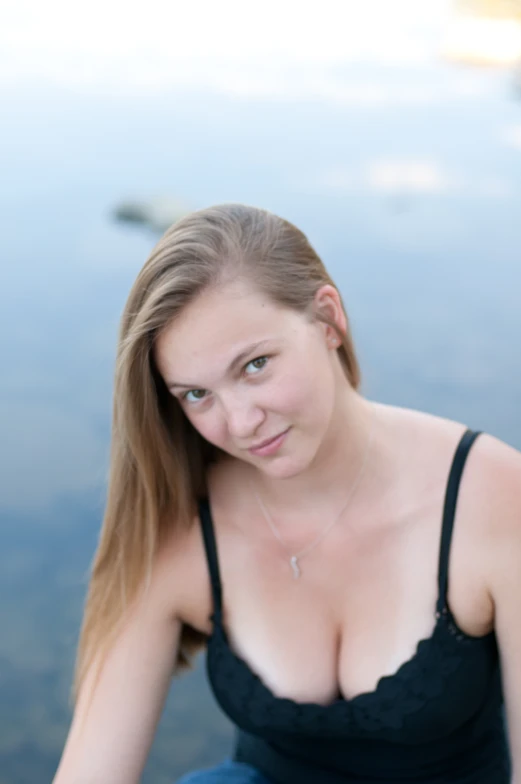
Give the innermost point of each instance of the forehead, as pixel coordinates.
(217, 325)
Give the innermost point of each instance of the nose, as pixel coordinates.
(243, 416)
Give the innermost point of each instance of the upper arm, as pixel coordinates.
(504, 480)
(114, 722)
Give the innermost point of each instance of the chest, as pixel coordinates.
(356, 613)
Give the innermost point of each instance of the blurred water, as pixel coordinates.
(407, 183)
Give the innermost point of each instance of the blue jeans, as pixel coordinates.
(227, 772)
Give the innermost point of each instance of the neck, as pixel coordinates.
(322, 487)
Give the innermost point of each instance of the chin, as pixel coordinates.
(283, 468)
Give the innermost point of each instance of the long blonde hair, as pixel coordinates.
(157, 459)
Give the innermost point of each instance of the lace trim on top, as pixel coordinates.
(440, 661)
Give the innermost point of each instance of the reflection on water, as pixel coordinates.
(408, 185)
(484, 32)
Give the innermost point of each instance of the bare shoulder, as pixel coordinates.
(494, 463)
(488, 512)
(183, 566)
(497, 469)
(492, 470)
(497, 485)
(182, 577)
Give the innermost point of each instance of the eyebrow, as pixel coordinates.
(231, 367)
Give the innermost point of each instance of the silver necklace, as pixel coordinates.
(294, 557)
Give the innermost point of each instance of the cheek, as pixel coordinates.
(304, 395)
(208, 426)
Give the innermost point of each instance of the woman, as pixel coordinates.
(258, 504)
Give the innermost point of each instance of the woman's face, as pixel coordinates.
(237, 394)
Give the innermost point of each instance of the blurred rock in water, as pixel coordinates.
(156, 214)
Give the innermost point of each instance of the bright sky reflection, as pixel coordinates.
(109, 44)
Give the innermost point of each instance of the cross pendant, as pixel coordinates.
(295, 566)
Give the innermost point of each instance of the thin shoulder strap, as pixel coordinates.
(210, 546)
(449, 511)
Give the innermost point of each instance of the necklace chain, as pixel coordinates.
(294, 557)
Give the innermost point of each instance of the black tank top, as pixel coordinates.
(437, 720)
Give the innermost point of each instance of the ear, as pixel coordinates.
(328, 303)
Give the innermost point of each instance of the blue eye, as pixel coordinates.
(257, 360)
(264, 359)
(185, 395)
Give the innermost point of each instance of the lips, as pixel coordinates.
(268, 441)
(271, 447)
